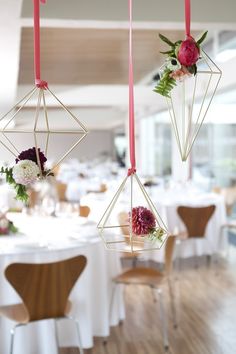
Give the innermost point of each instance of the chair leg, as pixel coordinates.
(13, 330)
(76, 322)
(12, 340)
(114, 286)
(56, 336)
(134, 262)
(173, 304)
(154, 294)
(163, 320)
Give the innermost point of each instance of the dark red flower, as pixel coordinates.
(143, 221)
(188, 53)
(30, 154)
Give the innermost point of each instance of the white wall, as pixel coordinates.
(95, 143)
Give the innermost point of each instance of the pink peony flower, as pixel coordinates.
(180, 74)
(188, 53)
(143, 221)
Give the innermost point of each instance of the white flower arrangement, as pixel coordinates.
(25, 172)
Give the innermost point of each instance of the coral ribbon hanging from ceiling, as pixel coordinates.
(38, 82)
(187, 18)
(131, 99)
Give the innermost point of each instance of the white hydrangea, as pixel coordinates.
(25, 172)
(173, 64)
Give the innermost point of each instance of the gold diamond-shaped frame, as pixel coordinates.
(112, 233)
(11, 116)
(185, 127)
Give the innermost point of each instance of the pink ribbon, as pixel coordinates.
(37, 71)
(132, 170)
(187, 17)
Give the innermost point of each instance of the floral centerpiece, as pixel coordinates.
(181, 62)
(144, 224)
(6, 226)
(28, 169)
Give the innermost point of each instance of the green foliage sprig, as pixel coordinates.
(166, 84)
(156, 234)
(21, 191)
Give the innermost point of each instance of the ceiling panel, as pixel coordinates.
(91, 56)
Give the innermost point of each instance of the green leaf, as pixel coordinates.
(169, 52)
(21, 191)
(192, 69)
(202, 38)
(166, 40)
(165, 85)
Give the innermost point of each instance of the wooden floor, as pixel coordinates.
(206, 300)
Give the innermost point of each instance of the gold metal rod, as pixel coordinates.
(69, 151)
(67, 110)
(17, 104)
(38, 109)
(9, 141)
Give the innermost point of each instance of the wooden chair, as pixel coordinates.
(84, 211)
(61, 191)
(122, 219)
(33, 198)
(154, 279)
(195, 220)
(44, 289)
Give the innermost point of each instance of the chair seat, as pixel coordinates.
(140, 276)
(18, 312)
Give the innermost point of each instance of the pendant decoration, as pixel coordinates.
(131, 222)
(188, 80)
(29, 121)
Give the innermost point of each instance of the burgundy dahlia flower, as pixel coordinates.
(143, 221)
(188, 53)
(30, 154)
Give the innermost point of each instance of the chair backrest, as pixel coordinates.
(61, 191)
(84, 211)
(45, 288)
(123, 219)
(33, 198)
(169, 252)
(196, 219)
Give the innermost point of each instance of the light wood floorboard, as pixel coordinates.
(206, 299)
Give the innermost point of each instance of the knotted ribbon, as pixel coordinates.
(37, 71)
(132, 169)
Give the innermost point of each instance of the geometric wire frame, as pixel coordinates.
(116, 231)
(20, 131)
(189, 103)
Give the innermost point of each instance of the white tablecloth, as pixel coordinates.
(61, 239)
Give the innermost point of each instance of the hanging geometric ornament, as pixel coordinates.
(131, 222)
(188, 80)
(28, 132)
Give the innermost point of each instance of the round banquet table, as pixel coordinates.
(51, 239)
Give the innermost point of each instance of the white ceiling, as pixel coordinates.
(149, 10)
(101, 104)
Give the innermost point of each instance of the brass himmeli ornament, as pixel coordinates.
(115, 226)
(29, 124)
(190, 101)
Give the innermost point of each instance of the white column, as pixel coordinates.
(10, 31)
